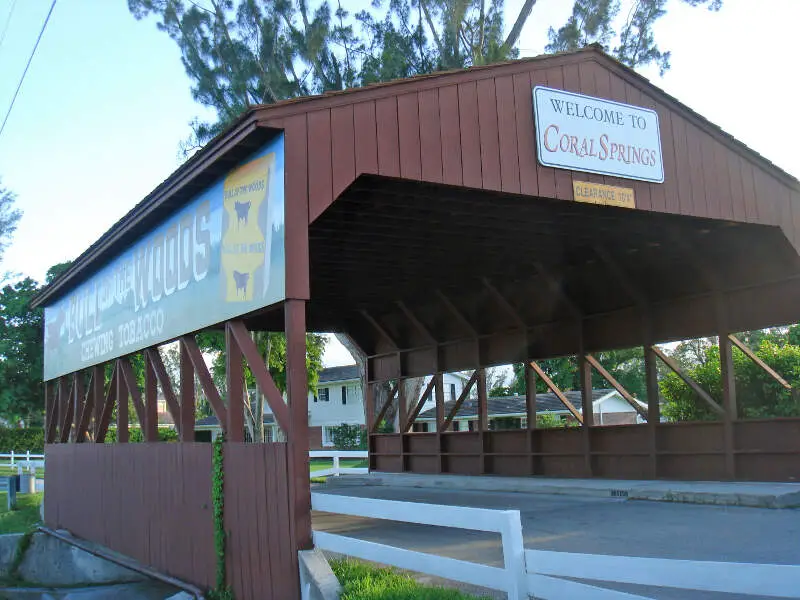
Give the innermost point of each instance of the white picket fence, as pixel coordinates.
(26, 460)
(337, 469)
(537, 572)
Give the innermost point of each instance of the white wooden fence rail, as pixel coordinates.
(510, 578)
(539, 572)
(26, 460)
(337, 469)
(763, 580)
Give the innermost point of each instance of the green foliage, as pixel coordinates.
(9, 218)
(348, 437)
(592, 22)
(22, 350)
(221, 591)
(22, 440)
(361, 581)
(136, 435)
(757, 394)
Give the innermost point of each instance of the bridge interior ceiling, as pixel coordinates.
(423, 269)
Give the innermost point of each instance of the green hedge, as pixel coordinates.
(136, 435)
(21, 440)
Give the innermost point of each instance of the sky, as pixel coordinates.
(106, 102)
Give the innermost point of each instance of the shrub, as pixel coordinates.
(348, 437)
(21, 440)
(136, 435)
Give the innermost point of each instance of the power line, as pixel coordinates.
(8, 20)
(25, 72)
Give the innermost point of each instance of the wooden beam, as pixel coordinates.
(154, 357)
(151, 401)
(704, 395)
(402, 406)
(623, 279)
(728, 377)
(384, 408)
(483, 403)
(51, 416)
(557, 288)
(78, 401)
(100, 396)
(206, 382)
(123, 430)
(418, 408)
(616, 385)
(764, 366)
(504, 303)
(438, 390)
(530, 395)
(457, 314)
(101, 428)
(67, 398)
(556, 391)
(461, 398)
(261, 374)
(377, 327)
(133, 388)
(416, 322)
(85, 418)
(188, 400)
(234, 373)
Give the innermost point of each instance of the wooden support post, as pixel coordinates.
(530, 395)
(653, 407)
(418, 408)
(77, 404)
(402, 406)
(132, 385)
(297, 436)
(150, 401)
(123, 434)
(187, 403)
(384, 408)
(483, 401)
(235, 379)
(51, 412)
(439, 392)
(108, 405)
(99, 384)
(85, 417)
(64, 411)
(585, 376)
(728, 401)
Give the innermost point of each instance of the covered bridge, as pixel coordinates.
(446, 222)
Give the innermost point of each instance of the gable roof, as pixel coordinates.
(333, 374)
(259, 122)
(500, 406)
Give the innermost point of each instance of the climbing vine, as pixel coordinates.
(221, 591)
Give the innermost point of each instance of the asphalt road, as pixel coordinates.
(590, 525)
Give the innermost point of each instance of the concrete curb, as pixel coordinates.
(746, 494)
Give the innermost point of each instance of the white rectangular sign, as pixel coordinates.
(582, 133)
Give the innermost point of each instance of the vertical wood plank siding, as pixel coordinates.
(152, 502)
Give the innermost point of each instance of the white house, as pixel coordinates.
(339, 400)
(509, 412)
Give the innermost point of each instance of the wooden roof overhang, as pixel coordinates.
(419, 222)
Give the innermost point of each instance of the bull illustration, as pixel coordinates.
(242, 212)
(241, 279)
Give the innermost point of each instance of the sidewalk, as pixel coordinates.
(751, 494)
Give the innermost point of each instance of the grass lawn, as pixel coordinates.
(320, 464)
(22, 519)
(7, 471)
(361, 581)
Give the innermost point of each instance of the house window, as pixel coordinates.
(323, 395)
(327, 437)
(268, 434)
(452, 391)
(344, 394)
(456, 426)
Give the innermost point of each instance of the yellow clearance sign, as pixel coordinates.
(597, 193)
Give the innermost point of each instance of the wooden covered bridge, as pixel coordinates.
(552, 206)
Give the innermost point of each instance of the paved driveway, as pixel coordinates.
(590, 525)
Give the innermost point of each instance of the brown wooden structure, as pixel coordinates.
(419, 222)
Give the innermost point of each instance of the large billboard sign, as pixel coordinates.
(220, 256)
(583, 133)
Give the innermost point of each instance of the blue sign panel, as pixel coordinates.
(219, 257)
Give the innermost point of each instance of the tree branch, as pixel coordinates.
(516, 30)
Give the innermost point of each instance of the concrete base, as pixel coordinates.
(751, 494)
(317, 580)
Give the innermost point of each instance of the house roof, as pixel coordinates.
(345, 373)
(515, 405)
(212, 421)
